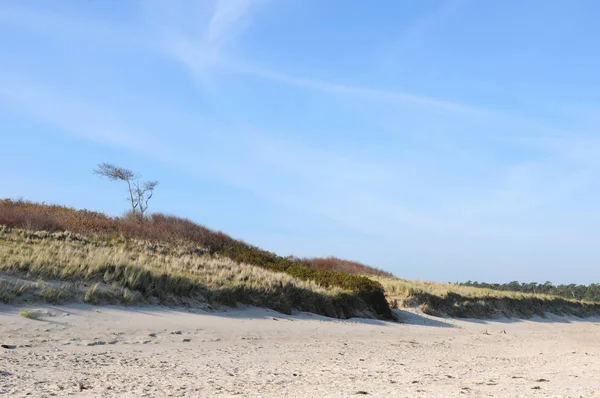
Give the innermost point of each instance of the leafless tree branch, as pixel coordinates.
(139, 193)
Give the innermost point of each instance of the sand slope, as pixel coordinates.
(138, 352)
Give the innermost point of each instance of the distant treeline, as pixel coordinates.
(572, 291)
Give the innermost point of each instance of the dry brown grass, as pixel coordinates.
(171, 235)
(157, 228)
(404, 288)
(172, 260)
(62, 266)
(463, 301)
(30, 313)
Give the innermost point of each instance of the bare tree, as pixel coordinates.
(140, 193)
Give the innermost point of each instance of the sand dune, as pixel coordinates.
(158, 352)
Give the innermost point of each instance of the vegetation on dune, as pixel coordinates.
(340, 265)
(63, 266)
(170, 260)
(447, 299)
(174, 237)
(572, 291)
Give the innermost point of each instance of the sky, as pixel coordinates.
(439, 140)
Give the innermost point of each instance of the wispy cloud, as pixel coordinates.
(393, 196)
(309, 179)
(340, 188)
(197, 35)
(203, 50)
(365, 93)
(228, 17)
(71, 115)
(275, 168)
(416, 32)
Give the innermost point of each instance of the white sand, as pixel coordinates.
(248, 353)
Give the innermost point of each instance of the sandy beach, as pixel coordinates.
(91, 351)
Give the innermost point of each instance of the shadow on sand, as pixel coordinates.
(242, 312)
(413, 318)
(410, 317)
(548, 318)
(402, 316)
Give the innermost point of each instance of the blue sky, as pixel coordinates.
(440, 140)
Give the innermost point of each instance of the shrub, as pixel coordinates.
(340, 265)
(178, 232)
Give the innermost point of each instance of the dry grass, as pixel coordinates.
(30, 313)
(171, 260)
(448, 299)
(174, 236)
(62, 266)
(403, 288)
